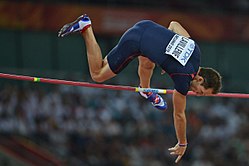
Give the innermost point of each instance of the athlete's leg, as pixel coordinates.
(99, 67)
(145, 71)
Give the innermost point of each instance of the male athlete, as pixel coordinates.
(171, 49)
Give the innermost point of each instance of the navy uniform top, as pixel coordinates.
(177, 55)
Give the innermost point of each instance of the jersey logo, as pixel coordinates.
(181, 48)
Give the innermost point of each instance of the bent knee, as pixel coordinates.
(103, 74)
(101, 77)
(97, 78)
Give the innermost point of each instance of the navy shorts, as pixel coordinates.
(145, 38)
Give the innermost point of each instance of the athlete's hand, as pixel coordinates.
(178, 151)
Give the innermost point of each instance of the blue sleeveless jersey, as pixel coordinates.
(149, 39)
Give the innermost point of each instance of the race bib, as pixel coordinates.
(181, 48)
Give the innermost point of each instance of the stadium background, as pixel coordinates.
(61, 125)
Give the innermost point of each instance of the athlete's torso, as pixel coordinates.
(154, 41)
(151, 40)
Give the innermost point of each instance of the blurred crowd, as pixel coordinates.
(92, 127)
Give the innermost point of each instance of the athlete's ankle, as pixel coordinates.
(86, 29)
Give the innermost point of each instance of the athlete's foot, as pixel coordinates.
(156, 100)
(79, 25)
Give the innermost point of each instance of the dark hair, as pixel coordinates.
(212, 79)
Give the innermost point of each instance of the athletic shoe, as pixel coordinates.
(156, 100)
(79, 25)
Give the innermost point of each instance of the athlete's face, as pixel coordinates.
(197, 87)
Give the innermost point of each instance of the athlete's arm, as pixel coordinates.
(177, 28)
(179, 105)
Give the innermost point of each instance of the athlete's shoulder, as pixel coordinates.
(182, 82)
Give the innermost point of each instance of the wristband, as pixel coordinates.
(183, 145)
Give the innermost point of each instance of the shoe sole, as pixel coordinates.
(70, 25)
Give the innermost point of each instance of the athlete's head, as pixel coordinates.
(207, 81)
